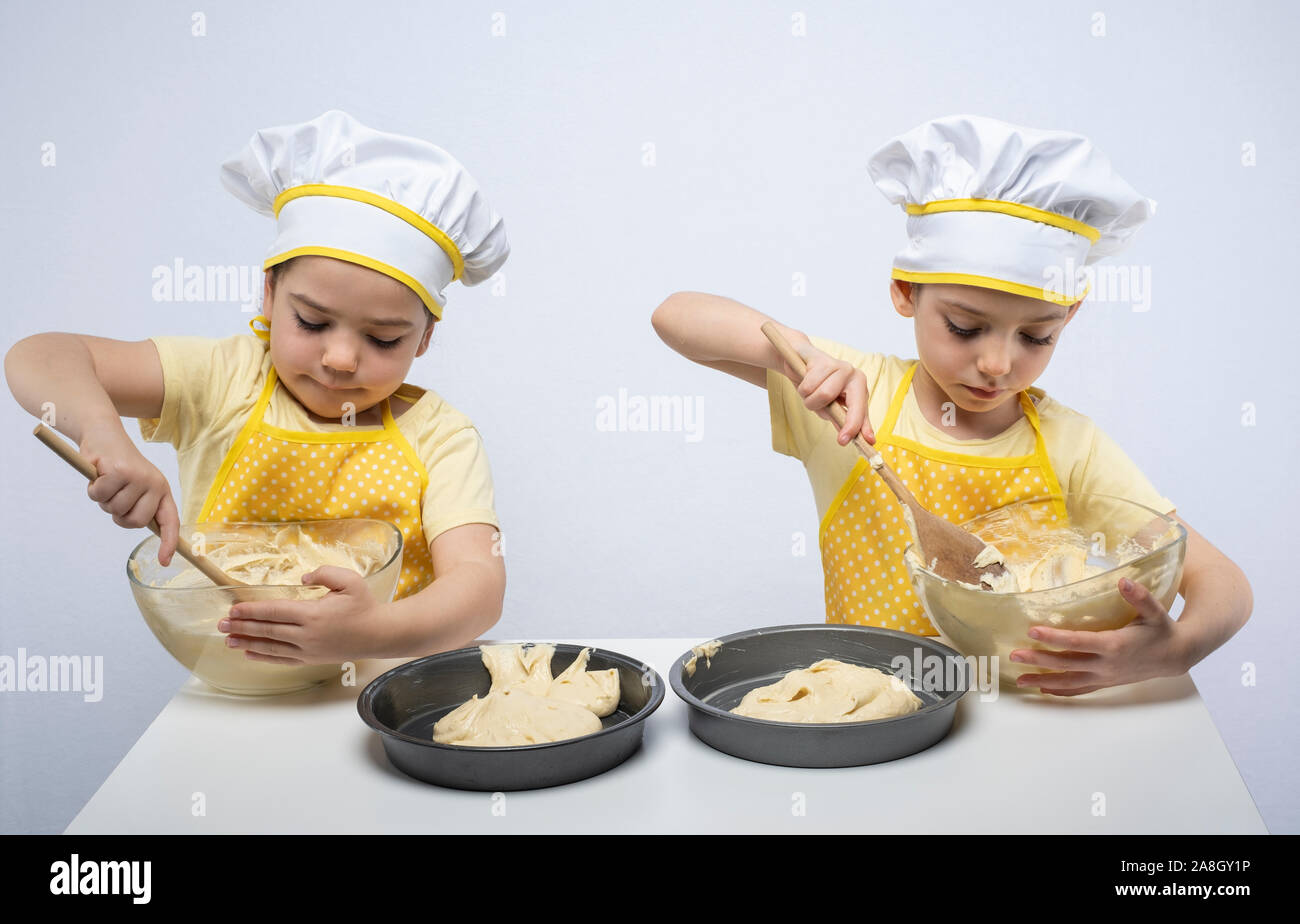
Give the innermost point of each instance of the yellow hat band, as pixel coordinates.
(361, 260)
(426, 227)
(1019, 210)
(988, 282)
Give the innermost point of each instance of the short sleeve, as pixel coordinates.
(1108, 470)
(460, 484)
(781, 400)
(794, 427)
(200, 375)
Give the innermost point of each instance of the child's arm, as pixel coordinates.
(1217, 599)
(82, 386)
(723, 334)
(463, 602)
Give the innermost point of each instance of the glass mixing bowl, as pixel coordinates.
(1123, 538)
(184, 618)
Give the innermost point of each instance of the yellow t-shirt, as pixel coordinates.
(210, 388)
(1085, 459)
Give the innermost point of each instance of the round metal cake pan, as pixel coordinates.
(762, 656)
(404, 703)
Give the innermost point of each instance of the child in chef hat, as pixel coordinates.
(1002, 223)
(312, 418)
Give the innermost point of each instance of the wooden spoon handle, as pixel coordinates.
(949, 547)
(838, 414)
(83, 465)
(796, 362)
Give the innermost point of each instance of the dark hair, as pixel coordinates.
(279, 268)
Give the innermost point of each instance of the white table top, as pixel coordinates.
(1143, 758)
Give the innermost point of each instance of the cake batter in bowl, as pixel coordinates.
(1065, 560)
(182, 607)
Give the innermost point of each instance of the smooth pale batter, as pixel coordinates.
(1047, 560)
(281, 556)
(1056, 566)
(910, 520)
(830, 691)
(1041, 559)
(186, 621)
(705, 651)
(525, 705)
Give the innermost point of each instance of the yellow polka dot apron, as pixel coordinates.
(272, 475)
(863, 533)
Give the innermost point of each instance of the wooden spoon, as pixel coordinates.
(947, 549)
(82, 464)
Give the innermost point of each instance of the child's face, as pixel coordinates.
(343, 358)
(981, 346)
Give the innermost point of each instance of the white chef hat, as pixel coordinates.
(395, 204)
(1004, 207)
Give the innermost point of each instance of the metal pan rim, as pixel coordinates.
(675, 678)
(366, 710)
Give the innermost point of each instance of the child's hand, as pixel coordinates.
(828, 380)
(1147, 647)
(131, 488)
(337, 627)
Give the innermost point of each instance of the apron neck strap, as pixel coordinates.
(900, 394)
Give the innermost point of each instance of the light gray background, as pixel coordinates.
(761, 140)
